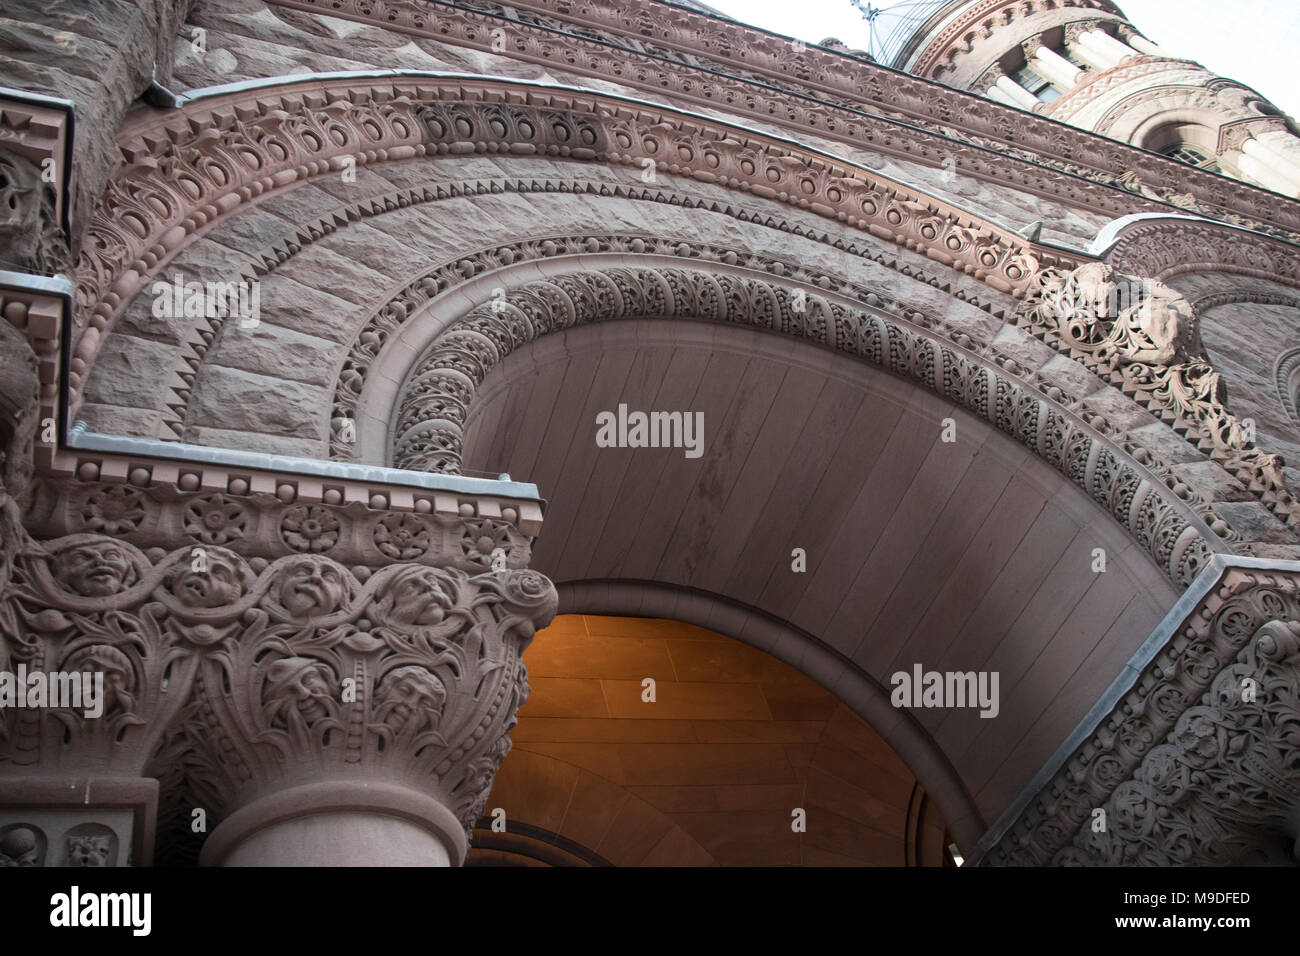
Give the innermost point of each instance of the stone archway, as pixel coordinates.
(860, 692)
(431, 406)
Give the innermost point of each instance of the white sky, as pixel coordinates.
(1256, 42)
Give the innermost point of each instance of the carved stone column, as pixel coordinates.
(267, 660)
(336, 722)
(321, 718)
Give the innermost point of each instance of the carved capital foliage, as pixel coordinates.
(1199, 762)
(1143, 335)
(229, 679)
(1233, 135)
(1223, 786)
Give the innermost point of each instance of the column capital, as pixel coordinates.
(232, 680)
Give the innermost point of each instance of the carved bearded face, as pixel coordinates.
(415, 598)
(311, 589)
(94, 569)
(217, 585)
(298, 684)
(412, 699)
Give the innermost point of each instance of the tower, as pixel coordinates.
(1082, 62)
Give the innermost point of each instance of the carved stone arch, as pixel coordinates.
(224, 148)
(1164, 247)
(426, 408)
(1136, 116)
(432, 302)
(1288, 383)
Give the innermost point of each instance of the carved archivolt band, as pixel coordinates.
(427, 429)
(220, 154)
(407, 304)
(1166, 248)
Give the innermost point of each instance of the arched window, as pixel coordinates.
(1188, 143)
(1187, 153)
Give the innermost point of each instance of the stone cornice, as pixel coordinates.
(126, 480)
(889, 109)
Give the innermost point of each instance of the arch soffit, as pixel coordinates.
(184, 169)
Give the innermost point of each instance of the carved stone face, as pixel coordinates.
(311, 589)
(119, 675)
(1167, 320)
(412, 699)
(415, 598)
(217, 585)
(88, 850)
(301, 684)
(93, 569)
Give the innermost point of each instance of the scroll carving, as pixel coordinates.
(1143, 335)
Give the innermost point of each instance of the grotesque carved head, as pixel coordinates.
(414, 597)
(298, 688)
(94, 568)
(89, 850)
(312, 588)
(411, 700)
(1162, 325)
(217, 581)
(119, 675)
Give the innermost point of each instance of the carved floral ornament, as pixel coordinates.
(261, 527)
(1200, 761)
(427, 425)
(412, 676)
(185, 171)
(1143, 335)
